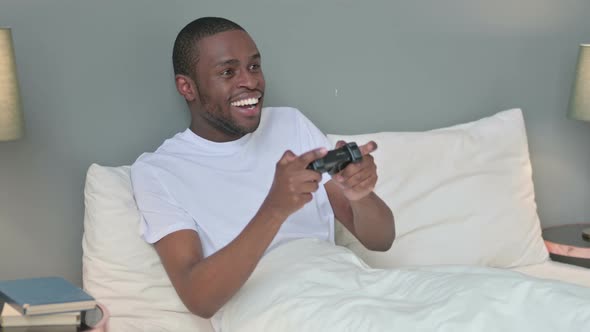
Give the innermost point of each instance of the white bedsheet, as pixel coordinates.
(308, 285)
(558, 271)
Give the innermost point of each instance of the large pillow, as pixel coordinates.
(460, 195)
(119, 268)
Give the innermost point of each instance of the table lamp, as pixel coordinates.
(11, 116)
(579, 106)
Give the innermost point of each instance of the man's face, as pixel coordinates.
(230, 86)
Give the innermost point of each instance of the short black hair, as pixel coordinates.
(185, 53)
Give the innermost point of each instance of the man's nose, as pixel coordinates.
(248, 79)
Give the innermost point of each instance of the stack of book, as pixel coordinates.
(47, 301)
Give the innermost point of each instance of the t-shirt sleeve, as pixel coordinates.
(160, 214)
(313, 138)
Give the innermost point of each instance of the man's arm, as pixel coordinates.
(357, 207)
(206, 284)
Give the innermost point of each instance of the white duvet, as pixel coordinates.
(309, 285)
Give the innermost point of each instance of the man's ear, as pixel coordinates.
(186, 87)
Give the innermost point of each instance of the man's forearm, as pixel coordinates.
(373, 222)
(215, 279)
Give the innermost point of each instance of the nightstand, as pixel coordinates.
(566, 244)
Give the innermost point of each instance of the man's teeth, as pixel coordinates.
(244, 102)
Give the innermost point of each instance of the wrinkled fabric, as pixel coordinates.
(310, 285)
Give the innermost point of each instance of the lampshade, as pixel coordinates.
(579, 107)
(11, 117)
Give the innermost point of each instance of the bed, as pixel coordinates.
(465, 211)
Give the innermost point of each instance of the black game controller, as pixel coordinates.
(337, 159)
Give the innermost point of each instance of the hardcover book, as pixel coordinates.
(44, 295)
(10, 317)
(54, 328)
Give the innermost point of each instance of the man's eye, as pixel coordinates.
(227, 72)
(255, 67)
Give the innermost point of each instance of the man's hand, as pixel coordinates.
(358, 180)
(355, 204)
(293, 183)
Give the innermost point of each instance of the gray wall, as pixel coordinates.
(97, 87)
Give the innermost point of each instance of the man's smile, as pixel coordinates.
(247, 102)
(247, 106)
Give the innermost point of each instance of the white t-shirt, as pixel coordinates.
(217, 188)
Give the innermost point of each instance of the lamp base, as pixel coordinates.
(586, 234)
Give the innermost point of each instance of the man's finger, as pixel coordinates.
(287, 157)
(310, 176)
(357, 178)
(366, 183)
(340, 144)
(368, 148)
(350, 171)
(309, 187)
(312, 155)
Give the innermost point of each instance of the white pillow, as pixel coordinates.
(119, 268)
(460, 195)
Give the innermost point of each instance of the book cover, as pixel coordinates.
(44, 295)
(54, 328)
(10, 317)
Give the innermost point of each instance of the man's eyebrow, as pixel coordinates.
(234, 62)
